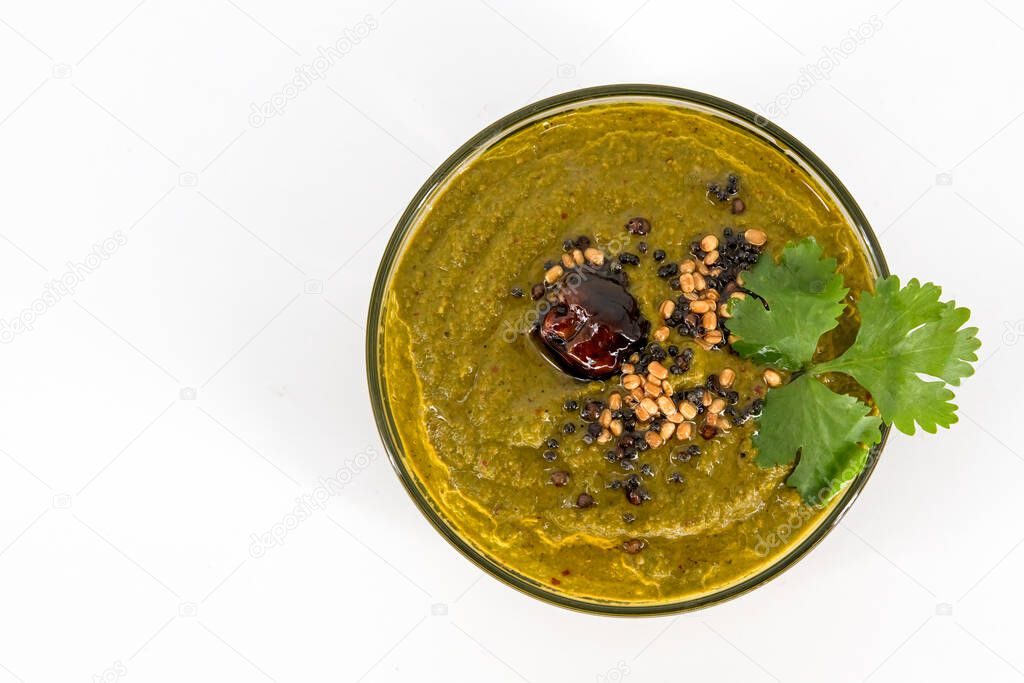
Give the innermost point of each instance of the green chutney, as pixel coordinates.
(474, 400)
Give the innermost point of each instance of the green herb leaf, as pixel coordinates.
(832, 433)
(804, 295)
(903, 333)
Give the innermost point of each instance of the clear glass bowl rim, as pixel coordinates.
(486, 138)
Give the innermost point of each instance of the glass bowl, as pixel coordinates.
(784, 143)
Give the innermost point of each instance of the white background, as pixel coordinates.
(210, 370)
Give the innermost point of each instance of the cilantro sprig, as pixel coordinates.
(805, 294)
(830, 431)
(904, 333)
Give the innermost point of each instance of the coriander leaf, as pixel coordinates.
(831, 431)
(804, 295)
(905, 333)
